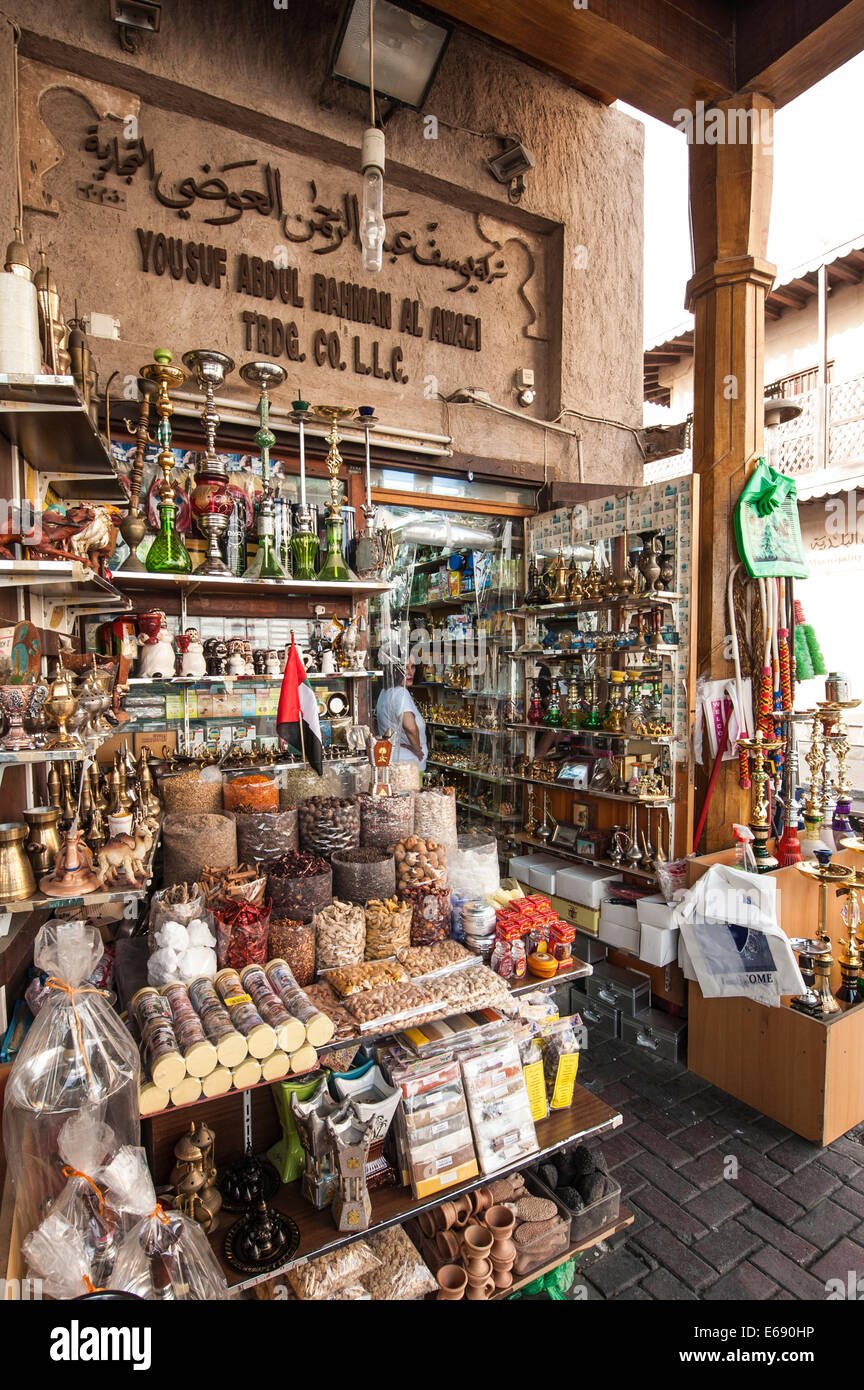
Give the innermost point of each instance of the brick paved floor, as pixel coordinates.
(728, 1204)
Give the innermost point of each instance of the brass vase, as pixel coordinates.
(60, 707)
(16, 875)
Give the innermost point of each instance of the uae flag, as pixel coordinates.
(297, 717)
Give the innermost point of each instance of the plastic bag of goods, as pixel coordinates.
(473, 868)
(77, 1057)
(181, 935)
(166, 1256)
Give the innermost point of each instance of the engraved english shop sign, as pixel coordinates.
(256, 250)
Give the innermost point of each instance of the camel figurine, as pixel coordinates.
(126, 852)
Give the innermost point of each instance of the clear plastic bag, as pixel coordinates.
(560, 1045)
(265, 835)
(77, 1056)
(56, 1254)
(403, 1276)
(325, 1277)
(181, 936)
(473, 867)
(167, 1256)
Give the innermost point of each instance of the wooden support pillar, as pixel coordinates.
(730, 201)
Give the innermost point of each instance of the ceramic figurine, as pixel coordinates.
(236, 659)
(216, 653)
(247, 657)
(273, 668)
(192, 663)
(259, 660)
(157, 655)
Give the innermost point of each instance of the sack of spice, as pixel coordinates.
(293, 942)
(299, 885)
(340, 935)
(242, 930)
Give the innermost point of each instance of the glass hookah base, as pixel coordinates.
(336, 571)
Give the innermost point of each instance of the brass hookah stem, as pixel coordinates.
(142, 439)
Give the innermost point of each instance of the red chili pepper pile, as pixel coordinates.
(241, 933)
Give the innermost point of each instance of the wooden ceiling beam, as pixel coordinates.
(782, 49)
(658, 56)
(664, 56)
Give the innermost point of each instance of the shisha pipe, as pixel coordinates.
(788, 848)
(133, 527)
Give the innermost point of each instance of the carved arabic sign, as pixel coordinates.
(323, 226)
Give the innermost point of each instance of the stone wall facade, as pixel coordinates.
(203, 192)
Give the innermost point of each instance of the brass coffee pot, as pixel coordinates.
(16, 875)
(44, 843)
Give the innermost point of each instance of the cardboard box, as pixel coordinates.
(584, 884)
(585, 919)
(542, 873)
(625, 938)
(658, 945)
(519, 866)
(654, 911)
(620, 915)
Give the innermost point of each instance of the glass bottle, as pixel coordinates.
(535, 709)
(304, 544)
(334, 569)
(168, 554)
(235, 540)
(552, 717)
(614, 717)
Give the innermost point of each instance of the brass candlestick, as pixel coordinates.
(335, 569)
(757, 747)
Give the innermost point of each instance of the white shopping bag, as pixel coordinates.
(728, 923)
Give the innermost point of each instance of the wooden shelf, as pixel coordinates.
(652, 801)
(624, 1219)
(587, 1117)
(622, 869)
(243, 682)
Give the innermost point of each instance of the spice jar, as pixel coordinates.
(152, 1014)
(199, 1054)
(361, 874)
(340, 935)
(231, 1046)
(265, 835)
(299, 885)
(294, 942)
(192, 791)
(193, 843)
(385, 820)
(290, 1032)
(435, 815)
(328, 823)
(253, 792)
